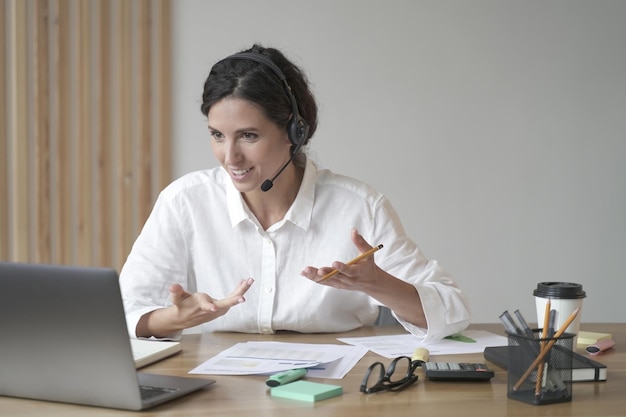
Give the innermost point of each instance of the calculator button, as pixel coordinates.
(430, 365)
(450, 371)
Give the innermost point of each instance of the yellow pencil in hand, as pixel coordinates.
(353, 261)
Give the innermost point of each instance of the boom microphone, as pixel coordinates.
(269, 183)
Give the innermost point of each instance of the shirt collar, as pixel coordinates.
(299, 213)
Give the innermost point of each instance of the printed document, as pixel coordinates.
(392, 346)
(323, 360)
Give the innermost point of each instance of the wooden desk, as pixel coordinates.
(234, 396)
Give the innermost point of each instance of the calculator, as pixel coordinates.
(453, 371)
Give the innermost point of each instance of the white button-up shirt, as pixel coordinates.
(202, 235)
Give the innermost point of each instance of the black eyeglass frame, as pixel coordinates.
(384, 382)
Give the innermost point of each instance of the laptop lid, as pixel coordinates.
(64, 338)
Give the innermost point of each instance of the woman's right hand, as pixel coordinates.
(189, 310)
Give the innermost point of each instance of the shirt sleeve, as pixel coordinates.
(445, 306)
(157, 259)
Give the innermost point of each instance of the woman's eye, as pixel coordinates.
(217, 136)
(249, 136)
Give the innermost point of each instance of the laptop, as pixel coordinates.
(64, 339)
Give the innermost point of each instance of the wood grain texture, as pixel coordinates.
(84, 117)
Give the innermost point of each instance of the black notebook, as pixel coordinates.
(583, 368)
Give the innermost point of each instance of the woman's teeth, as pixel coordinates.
(240, 171)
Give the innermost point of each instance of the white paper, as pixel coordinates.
(271, 357)
(393, 346)
(339, 368)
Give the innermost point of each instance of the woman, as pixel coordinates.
(232, 248)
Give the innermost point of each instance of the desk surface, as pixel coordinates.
(234, 396)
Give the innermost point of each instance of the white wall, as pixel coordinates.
(497, 128)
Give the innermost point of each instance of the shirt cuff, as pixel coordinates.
(436, 318)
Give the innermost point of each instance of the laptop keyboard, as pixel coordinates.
(148, 392)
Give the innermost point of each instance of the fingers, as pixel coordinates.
(341, 270)
(178, 294)
(364, 248)
(192, 309)
(315, 274)
(359, 241)
(237, 296)
(205, 302)
(243, 287)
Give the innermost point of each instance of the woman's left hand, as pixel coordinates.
(358, 276)
(365, 276)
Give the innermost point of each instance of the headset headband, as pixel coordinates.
(297, 127)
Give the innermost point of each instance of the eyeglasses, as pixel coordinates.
(399, 375)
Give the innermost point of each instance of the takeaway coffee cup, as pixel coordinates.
(564, 297)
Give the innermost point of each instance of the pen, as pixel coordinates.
(286, 377)
(353, 261)
(524, 324)
(552, 323)
(512, 329)
(509, 325)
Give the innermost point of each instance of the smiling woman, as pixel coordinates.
(237, 255)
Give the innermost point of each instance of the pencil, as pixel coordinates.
(353, 261)
(544, 334)
(546, 349)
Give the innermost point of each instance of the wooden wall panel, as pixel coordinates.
(84, 124)
(4, 133)
(19, 175)
(41, 134)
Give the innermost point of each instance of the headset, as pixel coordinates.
(297, 127)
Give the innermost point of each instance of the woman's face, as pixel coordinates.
(249, 146)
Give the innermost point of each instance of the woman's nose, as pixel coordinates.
(232, 152)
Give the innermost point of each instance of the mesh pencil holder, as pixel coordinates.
(540, 369)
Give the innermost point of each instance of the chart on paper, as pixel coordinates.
(268, 357)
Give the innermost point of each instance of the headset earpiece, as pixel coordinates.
(298, 130)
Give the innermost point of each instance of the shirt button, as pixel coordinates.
(269, 289)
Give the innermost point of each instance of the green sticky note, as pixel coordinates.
(461, 338)
(306, 391)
